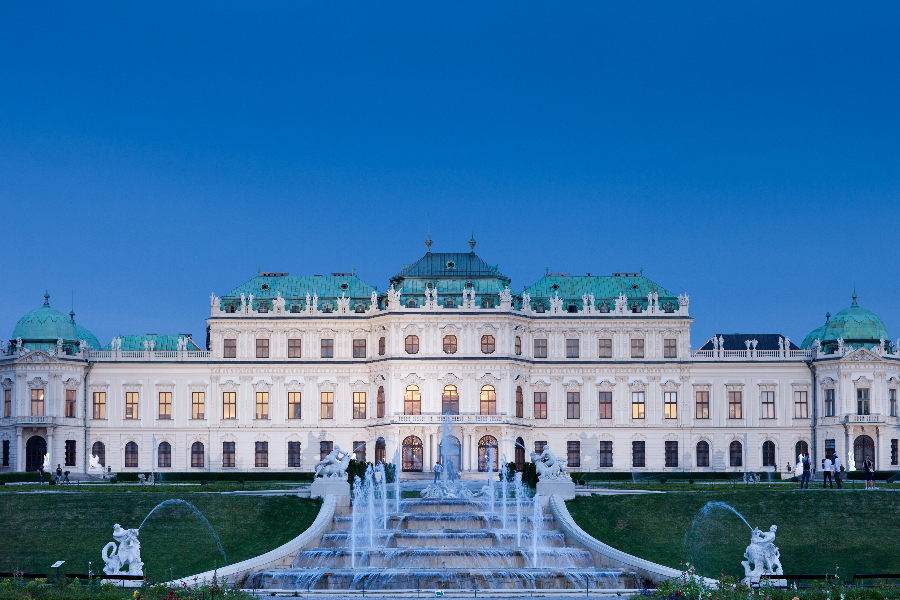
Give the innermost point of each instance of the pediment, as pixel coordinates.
(36, 356)
(862, 355)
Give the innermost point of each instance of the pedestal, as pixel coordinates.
(322, 487)
(563, 487)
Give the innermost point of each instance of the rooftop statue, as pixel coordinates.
(526, 301)
(394, 295)
(505, 295)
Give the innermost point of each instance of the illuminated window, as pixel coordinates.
(488, 400)
(450, 344)
(487, 344)
(131, 405)
(70, 403)
(37, 403)
(768, 405)
(198, 405)
(450, 401)
(412, 344)
(326, 403)
(604, 348)
(327, 347)
(229, 405)
(540, 348)
(734, 405)
(294, 405)
(801, 405)
(605, 411)
(637, 405)
(7, 403)
(230, 350)
(671, 404)
(359, 405)
(573, 405)
(359, 348)
(540, 405)
(295, 348)
(702, 405)
(412, 454)
(262, 405)
(412, 401)
(379, 402)
(165, 405)
(227, 454)
(262, 348)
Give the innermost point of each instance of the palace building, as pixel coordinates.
(600, 368)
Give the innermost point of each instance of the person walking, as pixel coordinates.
(870, 473)
(40, 470)
(827, 470)
(58, 473)
(838, 467)
(437, 471)
(807, 472)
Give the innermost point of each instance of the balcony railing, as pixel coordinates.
(33, 420)
(742, 355)
(148, 355)
(454, 419)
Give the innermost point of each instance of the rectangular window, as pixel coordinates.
(230, 350)
(327, 348)
(862, 401)
(198, 405)
(381, 347)
(702, 454)
(605, 456)
(70, 403)
(131, 405)
(801, 406)
(359, 405)
(734, 405)
(892, 400)
(573, 451)
(894, 450)
(295, 458)
(295, 349)
(262, 405)
(520, 403)
(359, 452)
(539, 446)
(830, 450)
(327, 404)
(379, 400)
(671, 454)
(829, 403)
(99, 405)
(702, 405)
(37, 403)
(604, 348)
(540, 405)
(540, 348)
(573, 405)
(5, 453)
(669, 349)
(359, 348)
(262, 348)
(227, 454)
(671, 404)
(70, 453)
(229, 405)
(165, 405)
(7, 403)
(262, 454)
(768, 405)
(294, 405)
(637, 348)
(637, 405)
(638, 454)
(197, 455)
(571, 348)
(325, 449)
(605, 411)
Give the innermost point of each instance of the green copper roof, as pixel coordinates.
(815, 334)
(294, 289)
(855, 325)
(606, 289)
(454, 265)
(46, 325)
(161, 342)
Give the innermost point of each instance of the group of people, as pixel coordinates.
(832, 469)
(452, 472)
(61, 476)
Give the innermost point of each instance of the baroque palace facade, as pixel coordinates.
(599, 368)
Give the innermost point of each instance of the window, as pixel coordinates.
(520, 403)
(829, 403)
(768, 405)
(262, 405)
(801, 407)
(671, 454)
(605, 411)
(294, 405)
(518, 346)
(669, 350)
(7, 403)
(892, 401)
(412, 401)
(380, 450)
(830, 450)
(488, 400)
(520, 454)
(540, 348)
(165, 405)
(70, 403)
(539, 446)
(702, 405)
(359, 452)
(768, 454)
(295, 308)
(573, 405)
(637, 348)
(37, 403)
(702, 454)
(379, 402)
(734, 405)
(604, 348)
(131, 455)
(359, 348)
(637, 405)
(539, 307)
(70, 453)
(487, 303)
(262, 348)
(325, 449)
(295, 348)
(198, 405)
(449, 344)
(604, 307)
(327, 348)
(487, 454)
(573, 451)
(197, 455)
(412, 344)
(736, 454)
(571, 348)
(229, 405)
(894, 457)
(411, 303)
(5, 462)
(487, 344)
(99, 405)
(671, 404)
(862, 401)
(636, 307)
(540, 405)
(99, 450)
(412, 454)
(164, 455)
(227, 454)
(230, 350)
(381, 346)
(638, 454)
(450, 401)
(295, 458)
(605, 455)
(131, 405)
(262, 454)
(359, 405)
(801, 448)
(326, 401)
(448, 303)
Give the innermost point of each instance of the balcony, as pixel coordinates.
(33, 420)
(148, 355)
(755, 355)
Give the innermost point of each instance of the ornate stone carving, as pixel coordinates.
(762, 555)
(549, 466)
(334, 465)
(127, 553)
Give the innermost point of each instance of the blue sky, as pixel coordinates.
(744, 153)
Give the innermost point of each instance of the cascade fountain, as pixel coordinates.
(503, 473)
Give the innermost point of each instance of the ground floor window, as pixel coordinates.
(197, 454)
(99, 450)
(359, 451)
(487, 454)
(830, 451)
(131, 454)
(800, 449)
(638, 454)
(894, 457)
(5, 453)
(736, 454)
(227, 454)
(768, 451)
(380, 449)
(605, 455)
(702, 453)
(164, 451)
(70, 453)
(325, 449)
(539, 446)
(573, 453)
(262, 454)
(671, 454)
(520, 454)
(863, 448)
(412, 454)
(294, 456)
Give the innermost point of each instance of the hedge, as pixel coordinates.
(169, 477)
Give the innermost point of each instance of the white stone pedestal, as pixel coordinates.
(322, 487)
(565, 488)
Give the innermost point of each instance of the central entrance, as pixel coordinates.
(863, 446)
(35, 449)
(450, 450)
(485, 445)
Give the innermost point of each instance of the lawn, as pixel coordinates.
(39, 529)
(819, 531)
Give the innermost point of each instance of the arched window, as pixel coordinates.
(379, 450)
(520, 454)
(768, 454)
(487, 451)
(411, 303)
(412, 344)
(163, 452)
(412, 454)
(800, 449)
(99, 450)
(488, 400)
(379, 401)
(520, 403)
(131, 454)
(702, 454)
(450, 453)
(196, 454)
(450, 344)
(863, 448)
(412, 401)
(450, 401)
(736, 454)
(487, 344)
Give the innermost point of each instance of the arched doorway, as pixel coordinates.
(35, 449)
(485, 445)
(450, 452)
(379, 450)
(412, 454)
(520, 454)
(863, 446)
(801, 448)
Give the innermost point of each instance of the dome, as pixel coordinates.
(84, 334)
(857, 326)
(41, 327)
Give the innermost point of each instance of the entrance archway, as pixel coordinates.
(450, 450)
(412, 454)
(485, 444)
(863, 446)
(35, 449)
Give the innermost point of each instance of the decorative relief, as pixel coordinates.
(327, 386)
(671, 386)
(606, 386)
(71, 383)
(37, 383)
(637, 386)
(229, 386)
(294, 386)
(450, 379)
(262, 386)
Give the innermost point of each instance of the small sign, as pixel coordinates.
(438, 594)
(57, 564)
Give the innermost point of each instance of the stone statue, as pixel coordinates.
(762, 554)
(394, 295)
(315, 301)
(798, 469)
(556, 303)
(2, 346)
(526, 301)
(780, 343)
(333, 466)
(243, 300)
(715, 342)
(279, 302)
(18, 344)
(549, 466)
(343, 304)
(787, 344)
(505, 295)
(307, 301)
(250, 302)
(47, 461)
(214, 300)
(59, 345)
(95, 464)
(84, 346)
(127, 553)
(374, 300)
(851, 461)
(683, 300)
(622, 302)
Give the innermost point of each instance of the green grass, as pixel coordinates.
(818, 530)
(39, 529)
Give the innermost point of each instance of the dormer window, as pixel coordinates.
(230, 308)
(668, 307)
(636, 307)
(539, 307)
(572, 308)
(487, 303)
(448, 303)
(469, 285)
(326, 308)
(604, 307)
(411, 304)
(360, 307)
(295, 308)
(263, 307)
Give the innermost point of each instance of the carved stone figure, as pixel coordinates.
(762, 554)
(18, 344)
(315, 301)
(787, 344)
(622, 302)
(446, 489)
(343, 304)
(549, 466)
(526, 301)
(394, 295)
(250, 302)
(374, 300)
(83, 346)
(683, 300)
(556, 303)
(95, 464)
(780, 343)
(279, 302)
(127, 553)
(47, 461)
(59, 345)
(243, 300)
(333, 466)
(721, 342)
(505, 295)
(851, 461)
(214, 300)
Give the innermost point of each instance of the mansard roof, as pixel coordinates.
(633, 285)
(160, 342)
(265, 287)
(735, 341)
(452, 265)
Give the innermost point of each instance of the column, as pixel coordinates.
(473, 453)
(426, 452)
(20, 452)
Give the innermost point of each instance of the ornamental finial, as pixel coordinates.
(46, 299)
(428, 243)
(472, 242)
